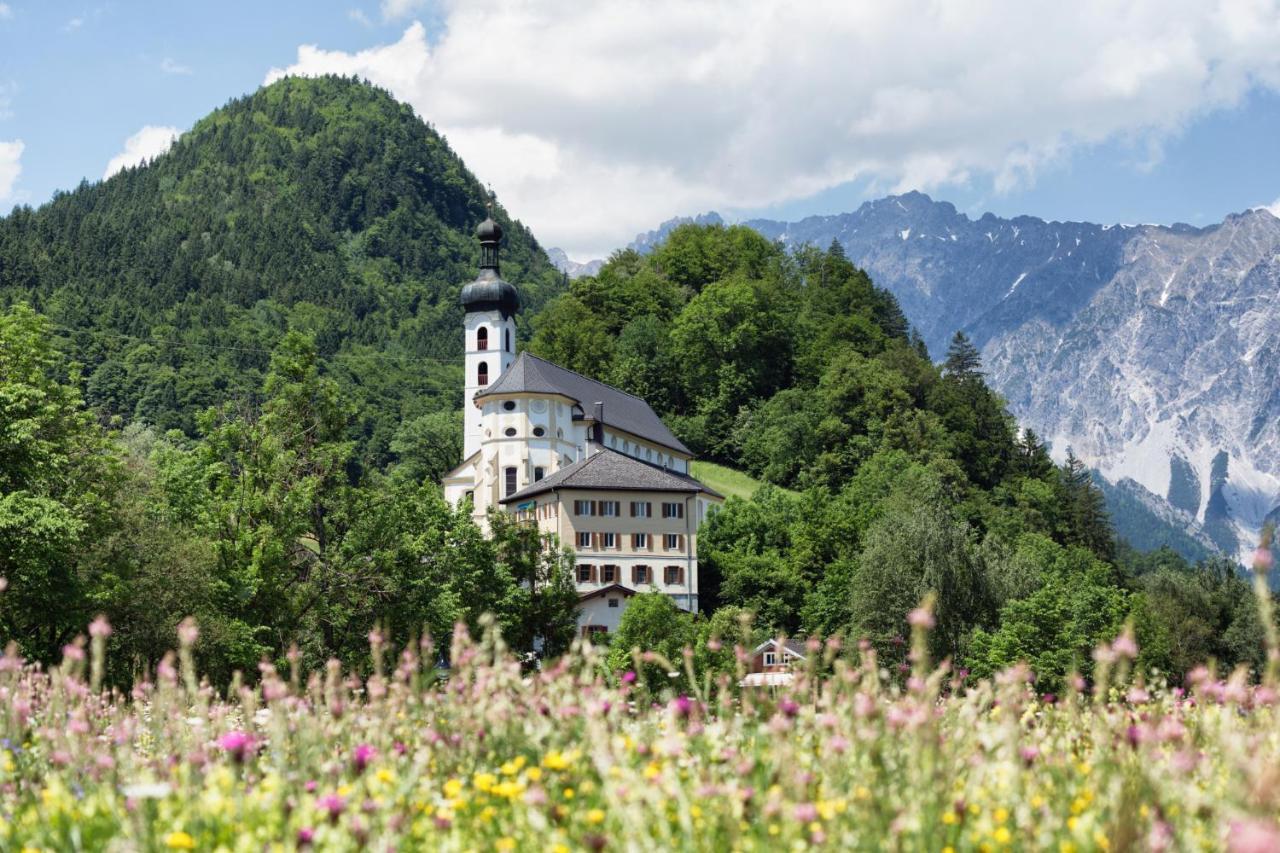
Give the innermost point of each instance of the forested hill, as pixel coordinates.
(322, 205)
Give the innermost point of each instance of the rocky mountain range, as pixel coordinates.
(1152, 351)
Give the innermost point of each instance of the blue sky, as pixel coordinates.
(594, 122)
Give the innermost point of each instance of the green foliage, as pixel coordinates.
(1056, 628)
(651, 623)
(319, 205)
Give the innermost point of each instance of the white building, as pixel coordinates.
(579, 458)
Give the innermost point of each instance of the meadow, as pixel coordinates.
(485, 754)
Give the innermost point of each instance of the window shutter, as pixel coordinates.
(680, 541)
(633, 509)
(680, 575)
(593, 574)
(593, 508)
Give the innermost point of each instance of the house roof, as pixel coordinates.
(610, 470)
(795, 647)
(612, 589)
(532, 375)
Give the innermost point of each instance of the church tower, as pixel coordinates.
(491, 305)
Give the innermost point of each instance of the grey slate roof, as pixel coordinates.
(530, 374)
(610, 470)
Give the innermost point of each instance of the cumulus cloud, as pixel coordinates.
(1274, 207)
(146, 144)
(10, 168)
(594, 121)
(395, 9)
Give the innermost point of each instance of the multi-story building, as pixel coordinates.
(580, 459)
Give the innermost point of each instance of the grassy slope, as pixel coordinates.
(727, 481)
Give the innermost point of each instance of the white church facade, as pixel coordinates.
(578, 458)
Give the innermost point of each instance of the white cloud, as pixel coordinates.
(395, 9)
(594, 121)
(73, 25)
(10, 168)
(1274, 208)
(359, 17)
(6, 11)
(146, 144)
(172, 66)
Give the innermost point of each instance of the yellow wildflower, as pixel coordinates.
(179, 841)
(555, 760)
(1001, 814)
(949, 817)
(1002, 835)
(533, 774)
(595, 816)
(452, 788)
(484, 781)
(568, 793)
(505, 843)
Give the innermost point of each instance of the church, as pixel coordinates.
(580, 459)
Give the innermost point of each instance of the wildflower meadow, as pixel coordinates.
(491, 756)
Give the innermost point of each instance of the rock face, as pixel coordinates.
(1153, 351)
(571, 268)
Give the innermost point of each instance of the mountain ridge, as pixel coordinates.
(1150, 350)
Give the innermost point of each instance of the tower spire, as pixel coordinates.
(490, 235)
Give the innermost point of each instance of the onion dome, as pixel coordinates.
(489, 292)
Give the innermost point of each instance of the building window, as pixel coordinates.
(610, 509)
(537, 474)
(507, 337)
(482, 338)
(510, 485)
(509, 432)
(672, 575)
(609, 540)
(671, 541)
(539, 432)
(509, 406)
(584, 507)
(613, 602)
(482, 373)
(770, 658)
(673, 510)
(584, 540)
(609, 574)
(584, 573)
(641, 509)
(640, 574)
(639, 541)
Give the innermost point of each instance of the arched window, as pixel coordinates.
(482, 373)
(482, 337)
(507, 336)
(509, 486)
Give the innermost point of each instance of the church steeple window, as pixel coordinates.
(482, 338)
(482, 373)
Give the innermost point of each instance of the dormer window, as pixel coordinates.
(482, 373)
(482, 338)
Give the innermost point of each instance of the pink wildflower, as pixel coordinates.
(363, 755)
(920, 618)
(1125, 646)
(628, 677)
(100, 627)
(305, 836)
(1263, 560)
(239, 745)
(1253, 836)
(333, 804)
